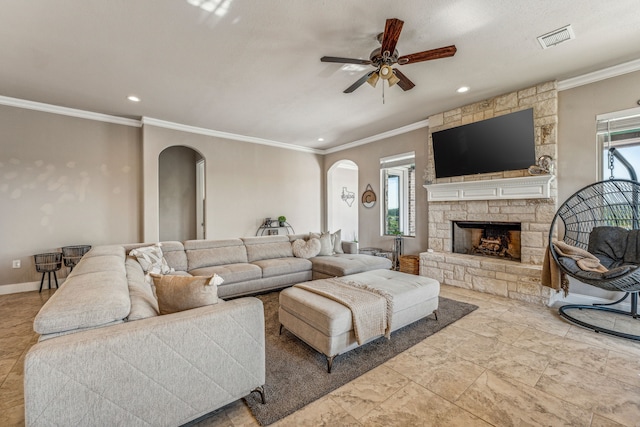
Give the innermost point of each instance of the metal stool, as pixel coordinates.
(46, 264)
(72, 254)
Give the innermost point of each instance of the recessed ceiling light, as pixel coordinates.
(133, 98)
(462, 89)
(320, 139)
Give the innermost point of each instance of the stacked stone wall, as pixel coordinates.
(508, 278)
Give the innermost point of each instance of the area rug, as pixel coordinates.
(297, 374)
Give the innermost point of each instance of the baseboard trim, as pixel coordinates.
(26, 287)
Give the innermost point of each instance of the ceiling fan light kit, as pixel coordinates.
(384, 57)
(373, 80)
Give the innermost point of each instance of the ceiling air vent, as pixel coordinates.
(556, 37)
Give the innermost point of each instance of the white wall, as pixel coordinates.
(64, 181)
(245, 183)
(367, 158)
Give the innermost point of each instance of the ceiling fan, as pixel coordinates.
(385, 56)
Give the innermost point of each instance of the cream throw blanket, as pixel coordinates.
(371, 308)
(585, 260)
(555, 278)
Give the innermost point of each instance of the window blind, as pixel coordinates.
(621, 121)
(404, 159)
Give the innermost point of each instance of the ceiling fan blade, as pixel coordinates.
(345, 60)
(427, 55)
(391, 35)
(359, 83)
(404, 83)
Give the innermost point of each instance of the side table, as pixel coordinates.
(48, 263)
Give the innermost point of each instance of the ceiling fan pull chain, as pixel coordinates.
(382, 93)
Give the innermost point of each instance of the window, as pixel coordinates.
(619, 141)
(397, 176)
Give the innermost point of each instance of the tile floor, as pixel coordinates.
(508, 363)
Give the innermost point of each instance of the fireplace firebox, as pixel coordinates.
(487, 238)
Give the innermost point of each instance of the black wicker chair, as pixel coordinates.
(612, 203)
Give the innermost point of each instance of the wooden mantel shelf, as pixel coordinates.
(528, 187)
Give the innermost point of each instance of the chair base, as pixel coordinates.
(633, 312)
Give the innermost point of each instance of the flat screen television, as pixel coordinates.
(498, 144)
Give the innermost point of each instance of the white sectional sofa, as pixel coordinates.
(106, 356)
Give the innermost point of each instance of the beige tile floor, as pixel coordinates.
(507, 363)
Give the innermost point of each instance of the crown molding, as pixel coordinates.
(65, 111)
(596, 76)
(219, 134)
(388, 134)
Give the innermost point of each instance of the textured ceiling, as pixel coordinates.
(253, 67)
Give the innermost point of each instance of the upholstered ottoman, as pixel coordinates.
(326, 325)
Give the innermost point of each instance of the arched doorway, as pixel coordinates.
(342, 199)
(181, 194)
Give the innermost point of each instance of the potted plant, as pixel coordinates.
(282, 220)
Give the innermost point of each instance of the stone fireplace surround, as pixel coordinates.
(491, 197)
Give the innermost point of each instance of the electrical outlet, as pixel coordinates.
(16, 263)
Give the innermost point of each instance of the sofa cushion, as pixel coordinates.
(231, 273)
(116, 250)
(143, 300)
(281, 266)
(305, 249)
(344, 264)
(207, 253)
(85, 301)
(98, 263)
(175, 255)
(180, 293)
(151, 259)
(267, 247)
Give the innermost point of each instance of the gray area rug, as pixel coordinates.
(297, 374)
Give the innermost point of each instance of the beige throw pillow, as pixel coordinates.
(179, 293)
(308, 249)
(336, 240)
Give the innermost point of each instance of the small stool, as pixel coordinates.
(72, 254)
(48, 263)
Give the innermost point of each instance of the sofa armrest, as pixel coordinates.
(164, 370)
(350, 247)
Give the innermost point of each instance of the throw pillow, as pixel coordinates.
(308, 249)
(336, 240)
(326, 246)
(179, 293)
(151, 259)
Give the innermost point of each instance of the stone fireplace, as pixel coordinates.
(512, 199)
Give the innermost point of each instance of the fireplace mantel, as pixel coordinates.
(528, 187)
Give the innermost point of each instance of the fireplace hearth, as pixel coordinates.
(487, 238)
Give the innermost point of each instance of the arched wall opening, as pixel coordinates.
(181, 202)
(342, 199)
